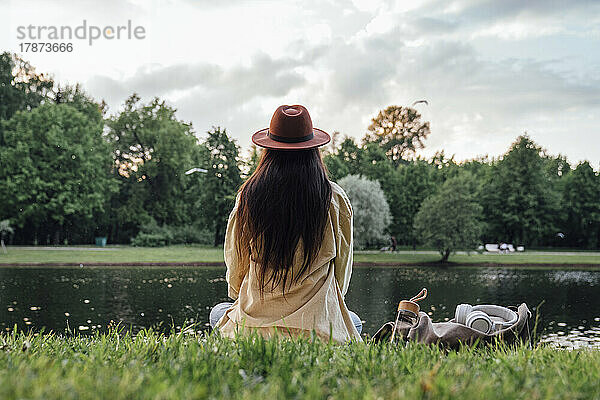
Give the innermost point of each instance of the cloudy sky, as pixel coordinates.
(490, 70)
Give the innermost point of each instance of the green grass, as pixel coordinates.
(474, 258)
(116, 254)
(202, 366)
(126, 254)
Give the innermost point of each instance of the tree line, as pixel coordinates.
(69, 172)
(526, 196)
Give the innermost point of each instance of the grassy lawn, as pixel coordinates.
(474, 258)
(128, 254)
(199, 366)
(116, 254)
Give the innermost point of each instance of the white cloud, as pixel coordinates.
(518, 30)
(233, 64)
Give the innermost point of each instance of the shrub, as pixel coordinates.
(371, 210)
(190, 234)
(154, 235)
(149, 240)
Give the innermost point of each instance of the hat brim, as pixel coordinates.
(262, 139)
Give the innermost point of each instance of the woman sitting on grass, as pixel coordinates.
(288, 246)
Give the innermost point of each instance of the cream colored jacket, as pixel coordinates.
(314, 303)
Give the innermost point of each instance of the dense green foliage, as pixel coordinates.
(152, 150)
(69, 172)
(527, 197)
(58, 168)
(450, 219)
(21, 88)
(520, 204)
(222, 182)
(581, 194)
(186, 366)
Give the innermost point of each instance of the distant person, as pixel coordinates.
(393, 243)
(288, 245)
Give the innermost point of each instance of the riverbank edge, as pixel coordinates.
(358, 264)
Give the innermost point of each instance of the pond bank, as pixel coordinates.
(203, 255)
(358, 264)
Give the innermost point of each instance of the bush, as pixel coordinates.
(371, 211)
(154, 235)
(190, 234)
(150, 240)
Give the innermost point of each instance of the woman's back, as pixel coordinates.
(288, 246)
(314, 302)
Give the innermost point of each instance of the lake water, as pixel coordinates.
(87, 299)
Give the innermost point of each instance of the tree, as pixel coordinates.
(450, 219)
(405, 186)
(347, 160)
(21, 87)
(352, 155)
(336, 169)
(253, 160)
(152, 149)
(519, 198)
(56, 167)
(370, 209)
(557, 167)
(399, 130)
(581, 199)
(75, 96)
(222, 181)
(479, 167)
(444, 167)
(409, 186)
(332, 147)
(374, 165)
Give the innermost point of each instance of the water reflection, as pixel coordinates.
(88, 299)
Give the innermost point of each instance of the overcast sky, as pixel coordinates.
(490, 70)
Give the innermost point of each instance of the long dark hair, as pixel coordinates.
(285, 202)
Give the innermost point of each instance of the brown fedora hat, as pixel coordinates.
(290, 129)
